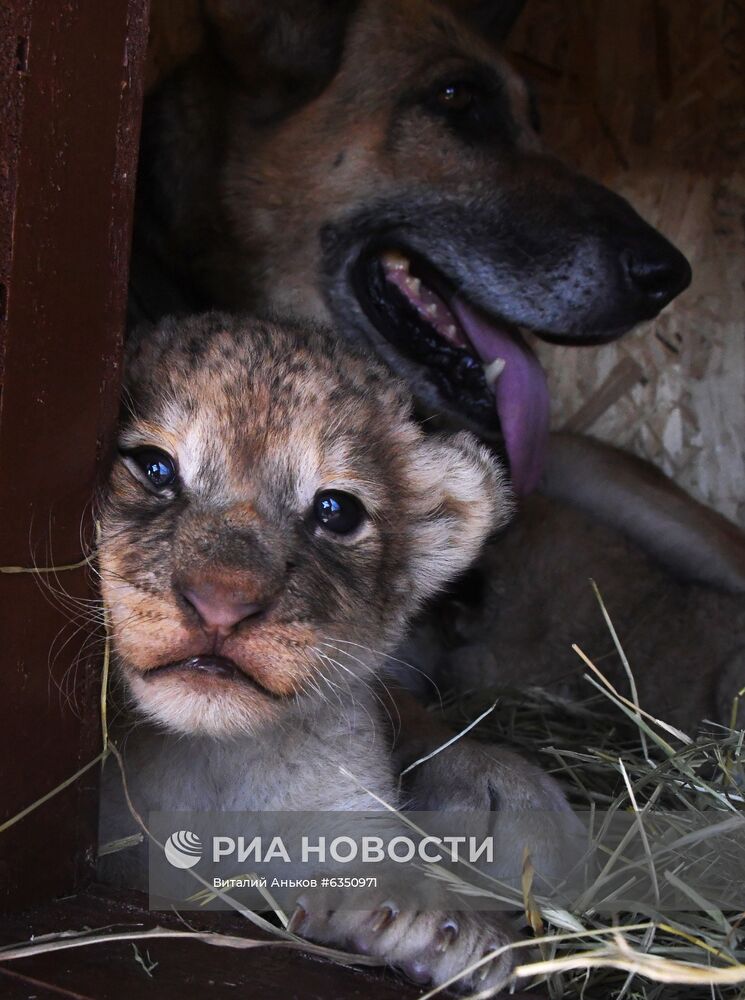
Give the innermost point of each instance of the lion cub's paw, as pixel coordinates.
(428, 947)
(522, 806)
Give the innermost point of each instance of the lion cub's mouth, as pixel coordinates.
(209, 667)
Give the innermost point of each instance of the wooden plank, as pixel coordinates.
(184, 969)
(70, 107)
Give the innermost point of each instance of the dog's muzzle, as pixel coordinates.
(443, 285)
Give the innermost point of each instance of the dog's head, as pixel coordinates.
(274, 518)
(383, 168)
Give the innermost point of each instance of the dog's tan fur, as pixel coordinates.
(250, 223)
(308, 138)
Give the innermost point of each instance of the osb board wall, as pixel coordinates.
(647, 96)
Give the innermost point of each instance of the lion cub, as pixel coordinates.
(274, 519)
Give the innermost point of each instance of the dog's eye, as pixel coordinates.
(458, 95)
(155, 465)
(338, 512)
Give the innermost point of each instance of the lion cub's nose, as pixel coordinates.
(220, 608)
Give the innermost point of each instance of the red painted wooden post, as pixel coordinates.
(70, 100)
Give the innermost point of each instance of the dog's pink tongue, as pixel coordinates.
(521, 393)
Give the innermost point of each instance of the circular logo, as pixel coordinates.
(183, 849)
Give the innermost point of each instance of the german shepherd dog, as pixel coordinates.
(376, 164)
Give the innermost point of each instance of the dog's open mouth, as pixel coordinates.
(479, 364)
(218, 667)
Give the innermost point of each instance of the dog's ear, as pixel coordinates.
(493, 19)
(462, 496)
(283, 51)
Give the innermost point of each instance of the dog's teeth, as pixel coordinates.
(394, 261)
(450, 330)
(493, 370)
(432, 310)
(414, 284)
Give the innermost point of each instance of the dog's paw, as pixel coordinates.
(428, 947)
(517, 802)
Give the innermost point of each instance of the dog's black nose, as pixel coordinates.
(655, 271)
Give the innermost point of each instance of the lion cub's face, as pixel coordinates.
(274, 515)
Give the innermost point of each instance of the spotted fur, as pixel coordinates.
(258, 418)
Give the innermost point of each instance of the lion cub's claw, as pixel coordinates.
(428, 947)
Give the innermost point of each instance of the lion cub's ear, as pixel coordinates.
(284, 51)
(463, 495)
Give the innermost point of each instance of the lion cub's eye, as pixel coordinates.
(338, 512)
(155, 465)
